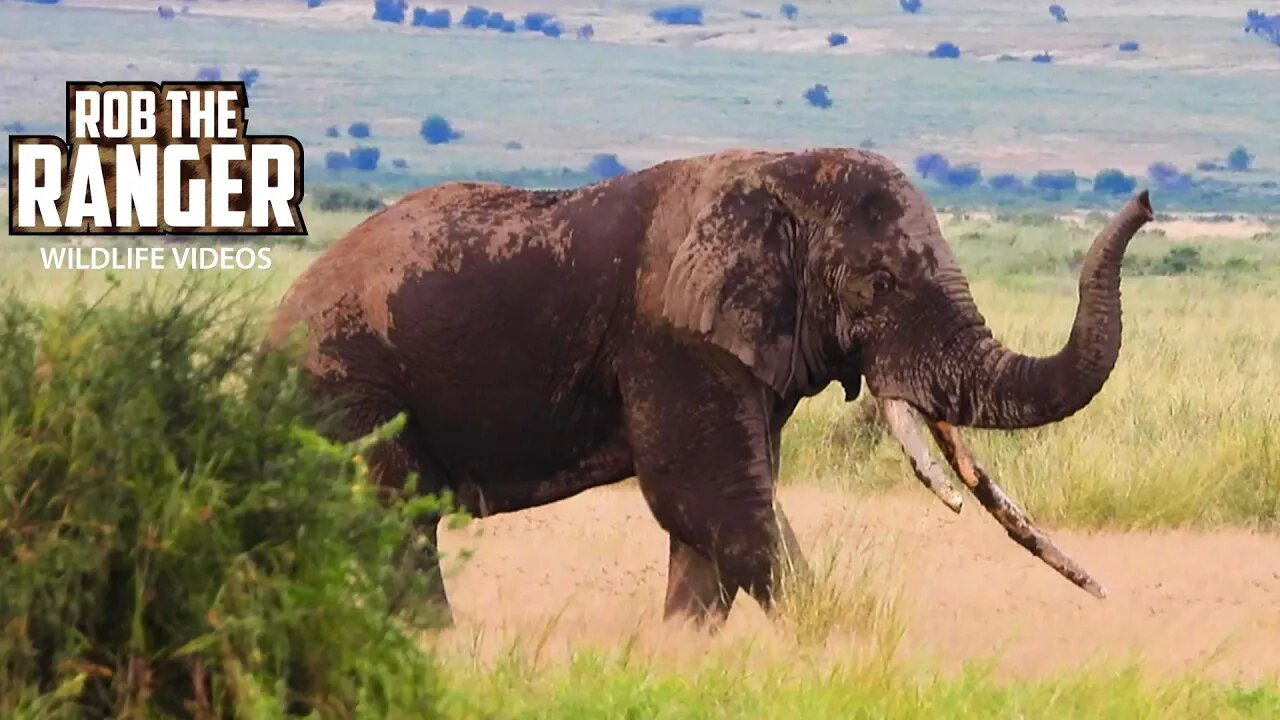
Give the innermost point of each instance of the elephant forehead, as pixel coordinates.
(870, 208)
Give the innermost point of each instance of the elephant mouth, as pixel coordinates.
(904, 423)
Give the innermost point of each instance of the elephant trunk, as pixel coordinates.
(999, 388)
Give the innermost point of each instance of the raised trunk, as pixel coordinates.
(999, 388)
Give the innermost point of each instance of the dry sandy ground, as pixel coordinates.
(590, 572)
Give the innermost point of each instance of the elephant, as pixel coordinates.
(664, 325)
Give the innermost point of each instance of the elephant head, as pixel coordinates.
(830, 265)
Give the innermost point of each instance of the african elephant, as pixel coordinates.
(665, 325)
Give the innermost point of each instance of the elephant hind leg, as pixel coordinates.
(390, 465)
(364, 408)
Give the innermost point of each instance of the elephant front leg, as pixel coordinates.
(701, 439)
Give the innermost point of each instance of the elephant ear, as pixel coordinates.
(732, 281)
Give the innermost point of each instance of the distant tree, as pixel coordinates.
(474, 17)
(391, 11)
(836, 39)
(1129, 46)
(209, 73)
(1043, 57)
(606, 165)
(1114, 182)
(336, 160)
(365, 158)
(789, 11)
(1239, 159)
(437, 131)
(1167, 177)
(535, 20)
(932, 165)
(1264, 26)
(359, 129)
(817, 96)
(1058, 12)
(910, 6)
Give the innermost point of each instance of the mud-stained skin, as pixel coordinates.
(665, 324)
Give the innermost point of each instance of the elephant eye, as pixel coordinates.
(882, 282)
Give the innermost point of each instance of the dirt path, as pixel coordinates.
(591, 571)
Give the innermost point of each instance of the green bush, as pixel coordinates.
(176, 538)
(336, 198)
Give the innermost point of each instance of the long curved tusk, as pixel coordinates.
(1006, 512)
(900, 417)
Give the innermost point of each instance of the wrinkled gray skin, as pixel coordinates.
(665, 325)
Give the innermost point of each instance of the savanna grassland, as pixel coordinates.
(1185, 438)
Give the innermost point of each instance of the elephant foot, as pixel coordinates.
(694, 590)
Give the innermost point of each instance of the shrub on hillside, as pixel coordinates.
(836, 39)
(365, 158)
(678, 15)
(1114, 182)
(910, 6)
(1055, 180)
(439, 19)
(339, 199)
(1005, 182)
(962, 175)
(178, 539)
(535, 20)
(789, 11)
(945, 51)
(391, 11)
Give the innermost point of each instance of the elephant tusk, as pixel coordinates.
(1006, 512)
(900, 418)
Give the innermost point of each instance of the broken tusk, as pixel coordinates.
(901, 419)
(1006, 512)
